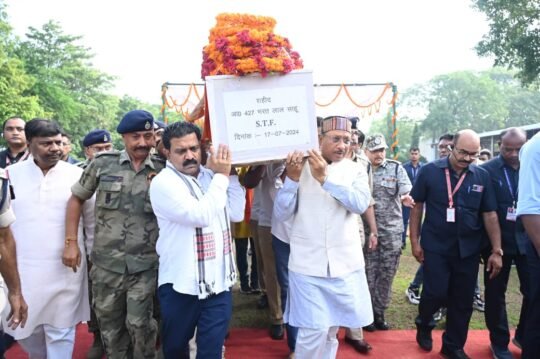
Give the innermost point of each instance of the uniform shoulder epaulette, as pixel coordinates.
(158, 159)
(393, 161)
(108, 153)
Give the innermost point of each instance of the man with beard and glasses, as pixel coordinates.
(124, 259)
(57, 296)
(459, 201)
(13, 133)
(504, 172)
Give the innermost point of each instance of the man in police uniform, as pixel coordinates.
(391, 187)
(8, 261)
(504, 173)
(95, 141)
(459, 197)
(124, 255)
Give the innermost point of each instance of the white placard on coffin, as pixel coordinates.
(262, 119)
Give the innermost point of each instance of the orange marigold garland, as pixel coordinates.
(240, 44)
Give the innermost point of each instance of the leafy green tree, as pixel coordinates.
(463, 100)
(405, 128)
(68, 87)
(14, 81)
(514, 35)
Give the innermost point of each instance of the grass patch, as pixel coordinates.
(401, 313)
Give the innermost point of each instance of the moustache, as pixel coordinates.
(145, 148)
(189, 162)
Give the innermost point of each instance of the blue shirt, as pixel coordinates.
(412, 171)
(529, 178)
(506, 192)
(464, 236)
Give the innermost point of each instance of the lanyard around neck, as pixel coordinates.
(510, 188)
(449, 186)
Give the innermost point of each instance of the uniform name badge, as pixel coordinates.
(450, 215)
(511, 214)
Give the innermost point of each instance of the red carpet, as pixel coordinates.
(255, 343)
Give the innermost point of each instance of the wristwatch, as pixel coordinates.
(498, 251)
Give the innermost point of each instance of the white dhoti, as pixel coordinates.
(318, 306)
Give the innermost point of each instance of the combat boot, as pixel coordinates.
(96, 351)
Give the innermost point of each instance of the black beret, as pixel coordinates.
(354, 121)
(136, 120)
(96, 136)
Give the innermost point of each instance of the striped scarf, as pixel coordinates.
(204, 243)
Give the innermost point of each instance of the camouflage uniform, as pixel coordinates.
(83, 164)
(390, 181)
(124, 258)
(357, 333)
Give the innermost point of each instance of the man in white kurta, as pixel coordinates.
(57, 296)
(327, 281)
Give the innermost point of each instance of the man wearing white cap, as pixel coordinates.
(327, 281)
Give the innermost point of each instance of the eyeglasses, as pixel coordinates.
(336, 139)
(463, 153)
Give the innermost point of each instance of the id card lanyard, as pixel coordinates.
(511, 214)
(451, 211)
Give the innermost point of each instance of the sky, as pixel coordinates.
(146, 43)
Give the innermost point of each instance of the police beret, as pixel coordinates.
(158, 125)
(96, 136)
(136, 120)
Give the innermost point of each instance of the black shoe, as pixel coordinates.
(245, 289)
(423, 338)
(380, 323)
(500, 352)
(370, 328)
(255, 290)
(453, 354)
(360, 345)
(276, 331)
(262, 302)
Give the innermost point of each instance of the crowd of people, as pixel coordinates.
(146, 243)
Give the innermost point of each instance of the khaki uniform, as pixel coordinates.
(390, 181)
(124, 271)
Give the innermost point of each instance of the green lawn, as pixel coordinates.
(401, 313)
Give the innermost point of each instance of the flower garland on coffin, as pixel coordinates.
(242, 44)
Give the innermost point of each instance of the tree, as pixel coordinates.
(514, 36)
(405, 130)
(68, 87)
(463, 100)
(14, 81)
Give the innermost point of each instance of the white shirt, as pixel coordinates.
(179, 213)
(55, 294)
(263, 193)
